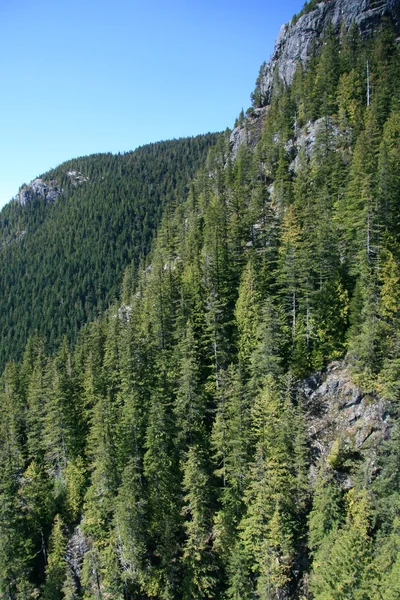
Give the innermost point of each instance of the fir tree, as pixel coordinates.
(56, 563)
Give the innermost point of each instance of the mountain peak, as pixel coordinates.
(295, 39)
(295, 43)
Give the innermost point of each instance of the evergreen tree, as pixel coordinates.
(327, 509)
(230, 440)
(131, 526)
(340, 566)
(267, 529)
(161, 472)
(198, 560)
(246, 314)
(56, 563)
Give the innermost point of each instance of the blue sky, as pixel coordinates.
(96, 76)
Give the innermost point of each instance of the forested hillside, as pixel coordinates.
(62, 260)
(178, 450)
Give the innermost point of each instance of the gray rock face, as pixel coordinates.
(76, 550)
(48, 191)
(249, 133)
(306, 137)
(294, 42)
(77, 177)
(38, 188)
(342, 419)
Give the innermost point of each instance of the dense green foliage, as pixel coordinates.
(166, 456)
(68, 265)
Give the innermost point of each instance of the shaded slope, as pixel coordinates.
(62, 260)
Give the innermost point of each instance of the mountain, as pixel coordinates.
(229, 428)
(297, 42)
(68, 236)
(296, 39)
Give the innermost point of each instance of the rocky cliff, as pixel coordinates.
(295, 42)
(344, 422)
(38, 189)
(295, 39)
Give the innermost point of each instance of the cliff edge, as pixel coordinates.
(295, 43)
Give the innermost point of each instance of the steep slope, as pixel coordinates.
(296, 44)
(67, 238)
(296, 40)
(231, 431)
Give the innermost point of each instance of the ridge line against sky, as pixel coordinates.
(81, 78)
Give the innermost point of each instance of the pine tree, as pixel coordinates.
(161, 473)
(296, 288)
(350, 104)
(56, 563)
(37, 495)
(246, 314)
(131, 526)
(230, 442)
(200, 569)
(267, 529)
(327, 74)
(357, 212)
(99, 498)
(16, 547)
(341, 563)
(191, 399)
(36, 395)
(219, 281)
(327, 509)
(136, 381)
(388, 178)
(272, 340)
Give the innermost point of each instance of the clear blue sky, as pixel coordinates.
(101, 76)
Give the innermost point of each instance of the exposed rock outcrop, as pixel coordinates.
(343, 421)
(249, 131)
(295, 39)
(38, 189)
(76, 177)
(76, 550)
(295, 42)
(307, 136)
(48, 191)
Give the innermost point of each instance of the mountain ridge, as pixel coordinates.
(296, 38)
(295, 44)
(71, 233)
(229, 428)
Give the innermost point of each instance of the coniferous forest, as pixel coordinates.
(168, 450)
(69, 255)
